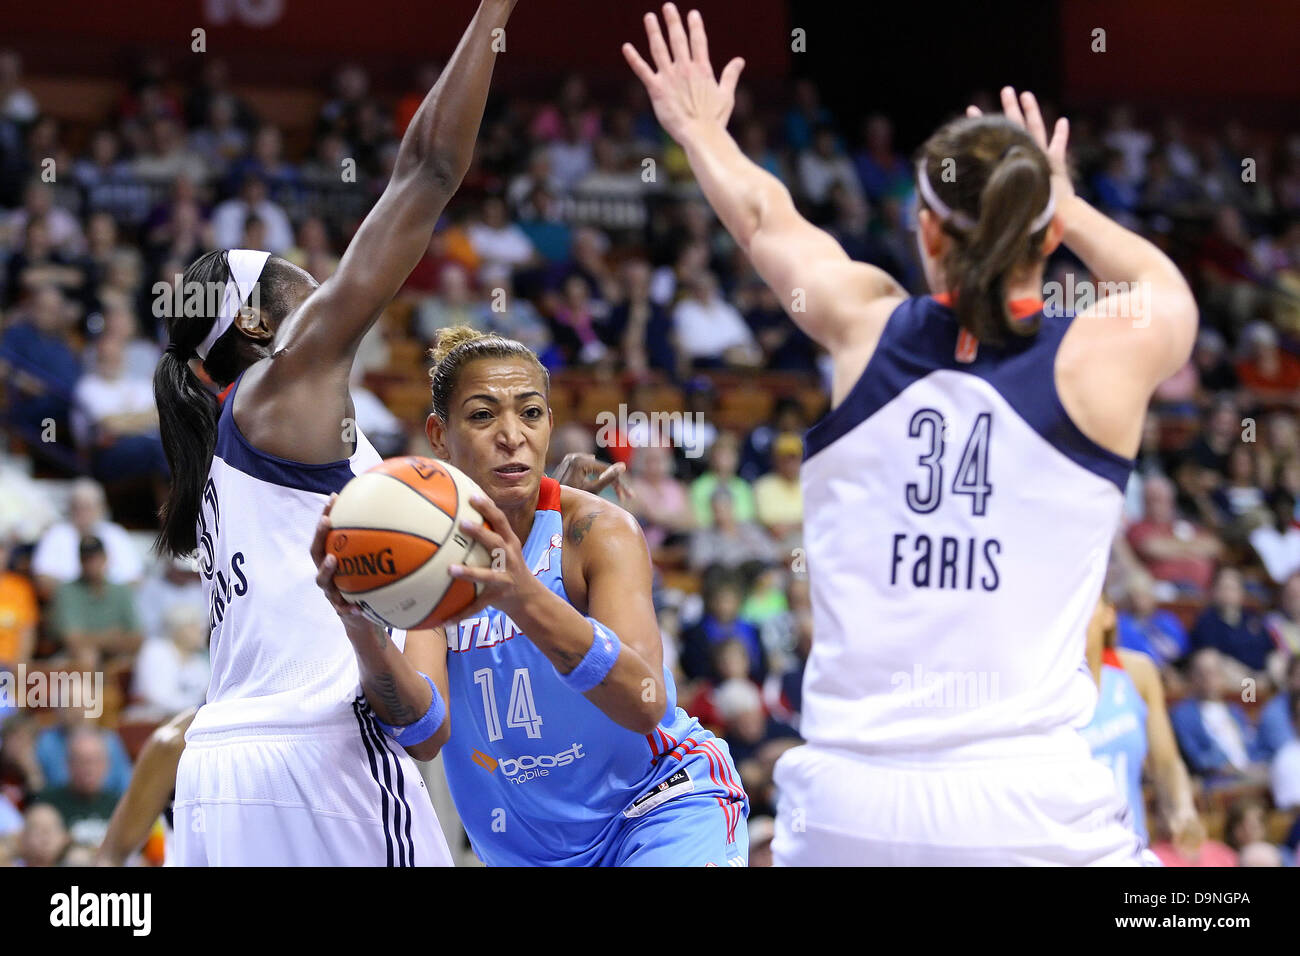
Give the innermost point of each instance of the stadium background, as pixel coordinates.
(124, 154)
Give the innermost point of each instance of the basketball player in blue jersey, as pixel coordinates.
(285, 763)
(1130, 731)
(564, 742)
(961, 496)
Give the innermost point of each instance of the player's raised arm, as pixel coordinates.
(432, 160)
(789, 252)
(1144, 283)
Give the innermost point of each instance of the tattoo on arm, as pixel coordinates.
(383, 691)
(580, 526)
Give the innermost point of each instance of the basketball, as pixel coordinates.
(395, 532)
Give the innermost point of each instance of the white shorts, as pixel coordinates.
(839, 810)
(343, 796)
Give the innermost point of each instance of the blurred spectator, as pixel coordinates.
(1277, 539)
(44, 839)
(881, 169)
(756, 452)
(542, 222)
(63, 230)
(174, 582)
(805, 116)
(1230, 628)
(1245, 830)
(455, 304)
(576, 322)
(721, 623)
(18, 611)
(115, 419)
(40, 364)
(230, 217)
(728, 542)
(214, 82)
(267, 162)
(1277, 725)
(1174, 549)
(313, 241)
(710, 331)
(825, 165)
(171, 673)
(16, 102)
(785, 346)
(661, 502)
(1266, 370)
(1146, 627)
(730, 660)
(778, 496)
(723, 465)
(1216, 737)
(165, 156)
(747, 726)
(221, 139)
(51, 752)
(140, 355)
(570, 153)
(1215, 371)
(94, 618)
(641, 329)
(57, 558)
(86, 801)
(498, 241)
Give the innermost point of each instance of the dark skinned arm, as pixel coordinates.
(390, 678)
(300, 397)
(152, 782)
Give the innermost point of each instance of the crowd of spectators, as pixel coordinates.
(579, 231)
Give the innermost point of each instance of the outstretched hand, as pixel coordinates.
(588, 473)
(683, 91)
(1024, 112)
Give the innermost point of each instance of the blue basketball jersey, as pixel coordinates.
(541, 775)
(1118, 735)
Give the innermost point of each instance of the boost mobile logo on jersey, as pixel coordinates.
(528, 767)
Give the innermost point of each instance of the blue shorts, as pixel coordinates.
(696, 817)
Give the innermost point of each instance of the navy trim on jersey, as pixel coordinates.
(405, 849)
(373, 741)
(920, 337)
(237, 452)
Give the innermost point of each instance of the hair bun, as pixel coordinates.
(449, 338)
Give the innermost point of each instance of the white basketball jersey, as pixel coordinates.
(958, 526)
(280, 655)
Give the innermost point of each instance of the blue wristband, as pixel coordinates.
(591, 670)
(426, 726)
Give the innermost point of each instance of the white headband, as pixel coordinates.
(959, 218)
(245, 269)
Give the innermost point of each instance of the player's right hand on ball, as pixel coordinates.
(354, 619)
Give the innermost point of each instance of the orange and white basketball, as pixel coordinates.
(395, 531)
